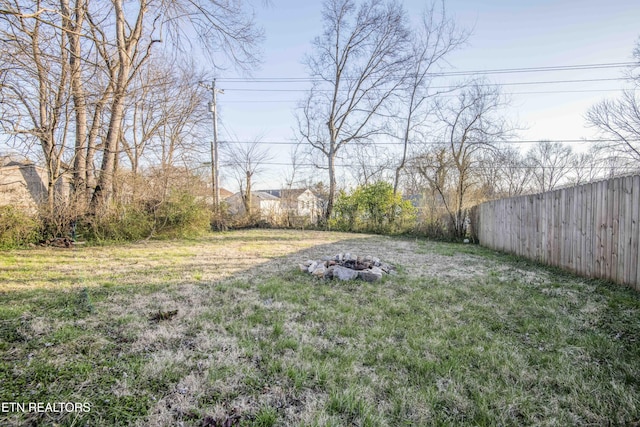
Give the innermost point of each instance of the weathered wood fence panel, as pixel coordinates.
(592, 229)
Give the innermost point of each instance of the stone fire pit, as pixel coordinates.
(348, 267)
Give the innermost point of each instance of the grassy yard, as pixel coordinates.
(461, 336)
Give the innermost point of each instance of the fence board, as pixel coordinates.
(602, 228)
(589, 231)
(614, 220)
(531, 227)
(592, 229)
(567, 228)
(627, 232)
(548, 215)
(622, 232)
(581, 247)
(635, 232)
(596, 201)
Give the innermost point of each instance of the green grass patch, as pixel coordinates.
(461, 336)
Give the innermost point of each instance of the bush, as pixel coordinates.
(61, 221)
(118, 223)
(17, 228)
(373, 208)
(221, 219)
(434, 230)
(345, 212)
(240, 222)
(181, 215)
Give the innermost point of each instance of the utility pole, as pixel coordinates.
(215, 178)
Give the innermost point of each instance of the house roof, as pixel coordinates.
(287, 193)
(262, 195)
(293, 193)
(12, 160)
(272, 192)
(224, 193)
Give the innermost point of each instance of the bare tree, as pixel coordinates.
(36, 72)
(135, 34)
(550, 165)
(246, 160)
(291, 177)
(472, 123)
(355, 65)
(586, 166)
(619, 120)
(73, 17)
(503, 172)
(221, 25)
(368, 162)
(180, 138)
(434, 40)
(164, 114)
(609, 162)
(144, 119)
(74, 63)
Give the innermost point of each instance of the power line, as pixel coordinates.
(477, 167)
(547, 69)
(577, 67)
(611, 79)
(542, 82)
(558, 141)
(543, 92)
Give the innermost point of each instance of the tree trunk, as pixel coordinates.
(105, 184)
(51, 191)
(73, 26)
(403, 160)
(126, 46)
(247, 196)
(332, 184)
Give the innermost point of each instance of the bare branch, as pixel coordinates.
(356, 60)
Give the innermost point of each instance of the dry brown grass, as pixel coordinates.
(461, 335)
(209, 259)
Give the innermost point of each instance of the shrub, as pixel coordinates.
(434, 230)
(373, 208)
(182, 215)
(17, 227)
(345, 212)
(239, 222)
(61, 221)
(117, 223)
(221, 219)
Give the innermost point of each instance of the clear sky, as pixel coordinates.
(506, 34)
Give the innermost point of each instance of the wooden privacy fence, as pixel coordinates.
(592, 229)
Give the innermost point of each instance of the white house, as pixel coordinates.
(266, 204)
(298, 202)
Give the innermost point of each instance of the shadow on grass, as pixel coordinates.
(462, 336)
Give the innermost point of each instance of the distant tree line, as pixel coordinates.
(106, 91)
(373, 72)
